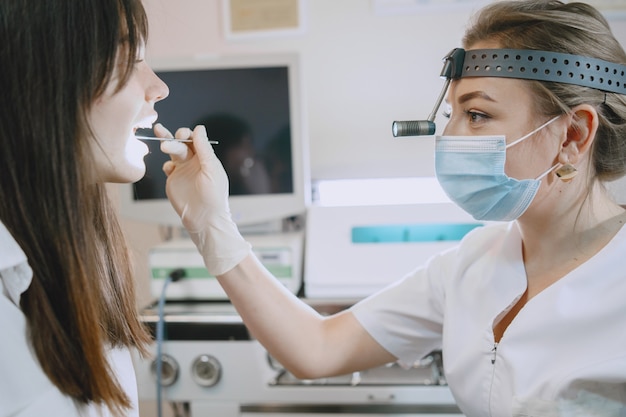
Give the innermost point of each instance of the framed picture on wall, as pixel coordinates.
(245, 19)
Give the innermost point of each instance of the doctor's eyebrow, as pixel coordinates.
(475, 94)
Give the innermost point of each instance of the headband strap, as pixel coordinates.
(536, 65)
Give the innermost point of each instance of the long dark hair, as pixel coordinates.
(57, 58)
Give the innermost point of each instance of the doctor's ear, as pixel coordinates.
(581, 132)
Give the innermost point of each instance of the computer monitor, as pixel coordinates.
(252, 105)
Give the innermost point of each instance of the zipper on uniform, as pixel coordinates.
(494, 352)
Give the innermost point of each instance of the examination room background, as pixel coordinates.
(361, 70)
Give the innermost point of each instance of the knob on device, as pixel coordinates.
(206, 370)
(169, 370)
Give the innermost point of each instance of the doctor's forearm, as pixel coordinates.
(290, 330)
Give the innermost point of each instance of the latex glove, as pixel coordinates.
(197, 187)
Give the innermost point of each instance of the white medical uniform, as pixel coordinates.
(564, 354)
(25, 390)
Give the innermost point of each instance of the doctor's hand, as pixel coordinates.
(197, 187)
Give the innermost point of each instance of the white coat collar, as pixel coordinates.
(15, 273)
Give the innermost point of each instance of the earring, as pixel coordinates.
(566, 172)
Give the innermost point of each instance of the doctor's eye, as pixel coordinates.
(446, 111)
(475, 117)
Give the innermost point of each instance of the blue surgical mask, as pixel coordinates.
(470, 170)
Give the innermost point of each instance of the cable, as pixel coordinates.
(173, 276)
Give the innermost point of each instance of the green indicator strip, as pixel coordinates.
(279, 271)
(196, 272)
(411, 232)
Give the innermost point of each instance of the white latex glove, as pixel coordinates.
(197, 187)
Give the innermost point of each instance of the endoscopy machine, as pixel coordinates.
(211, 363)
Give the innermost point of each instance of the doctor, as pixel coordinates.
(530, 312)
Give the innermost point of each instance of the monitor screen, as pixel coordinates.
(252, 106)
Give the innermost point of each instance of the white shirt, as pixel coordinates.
(564, 354)
(25, 390)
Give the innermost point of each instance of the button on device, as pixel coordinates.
(206, 370)
(169, 370)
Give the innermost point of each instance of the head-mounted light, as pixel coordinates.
(523, 64)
